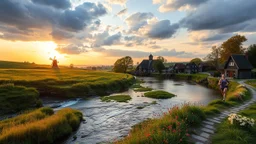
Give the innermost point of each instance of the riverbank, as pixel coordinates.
(40, 126)
(159, 131)
(66, 82)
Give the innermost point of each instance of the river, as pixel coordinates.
(109, 121)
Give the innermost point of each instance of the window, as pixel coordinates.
(231, 64)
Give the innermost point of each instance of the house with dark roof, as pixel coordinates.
(191, 68)
(238, 66)
(146, 66)
(179, 68)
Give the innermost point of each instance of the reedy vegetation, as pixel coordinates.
(40, 126)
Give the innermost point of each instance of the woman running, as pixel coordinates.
(223, 83)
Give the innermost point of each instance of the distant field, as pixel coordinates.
(21, 65)
(67, 82)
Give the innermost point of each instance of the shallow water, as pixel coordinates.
(106, 122)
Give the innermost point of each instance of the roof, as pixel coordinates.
(146, 64)
(179, 66)
(241, 61)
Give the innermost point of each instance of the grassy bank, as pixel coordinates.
(117, 98)
(16, 98)
(159, 94)
(172, 127)
(233, 134)
(40, 126)
(251, 82)
(194, 77)
(67, 82)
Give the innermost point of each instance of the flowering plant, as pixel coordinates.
(241, 120)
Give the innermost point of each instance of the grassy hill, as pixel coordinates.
(21, 65)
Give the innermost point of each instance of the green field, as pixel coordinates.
(67, 82)
(21, 65)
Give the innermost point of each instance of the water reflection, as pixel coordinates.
(110, 121)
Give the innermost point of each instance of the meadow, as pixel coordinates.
(67, 82)
(40, 126)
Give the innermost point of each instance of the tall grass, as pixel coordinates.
(67, 82)
(17, 98)
(172, 127)
(46, 130)
(27, 117)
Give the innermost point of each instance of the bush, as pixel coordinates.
(46, 130)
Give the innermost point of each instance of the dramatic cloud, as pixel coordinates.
(138, 20)
(120, 2)
(122, 12)
(172, 5)
(61, 4)
(103, 39)
(141, 54)
(220, 14)
(82, 16)
(162, 30)
(71, 49)
(26, 20)
(205, 35)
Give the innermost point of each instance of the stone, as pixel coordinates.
(207, 130)
(199, 138)
(206, 135)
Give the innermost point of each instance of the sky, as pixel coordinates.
(98, 32)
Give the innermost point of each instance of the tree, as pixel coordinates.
(162, 59)
(158, 65)
(122, 64)
(232, 46)
(214, 57)
(252, 54)
(196, 61)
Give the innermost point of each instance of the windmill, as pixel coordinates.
(54, 63)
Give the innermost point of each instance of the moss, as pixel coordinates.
(159, 94)
(143, 89)
(17, 98)
(117, 98)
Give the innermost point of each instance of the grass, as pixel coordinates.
(251, 82)
(117, 98)
(172, 127)
(159, 94)
(67, 82)
(31, 128)
(17, 98)
(143, 89)
(232, 134)
(136, 86)
(236, 94)
(21, 65)
(194, 77)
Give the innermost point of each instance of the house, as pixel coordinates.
(238, 66)
(191, 68)
(146, 66)
(179, 68)
(204, 67)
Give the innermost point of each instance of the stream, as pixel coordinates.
(110, 121)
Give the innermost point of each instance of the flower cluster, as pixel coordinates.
(241, 120)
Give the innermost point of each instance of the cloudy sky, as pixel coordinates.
(97, 32)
